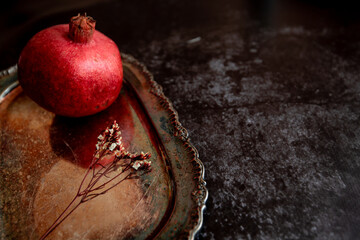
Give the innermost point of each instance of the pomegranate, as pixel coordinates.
(72, 70)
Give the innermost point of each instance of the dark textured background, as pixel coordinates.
(269, 93)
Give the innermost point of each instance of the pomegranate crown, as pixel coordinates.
(81, 28)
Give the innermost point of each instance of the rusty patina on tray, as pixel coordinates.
(43, 158)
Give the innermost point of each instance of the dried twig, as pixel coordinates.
(102, 175)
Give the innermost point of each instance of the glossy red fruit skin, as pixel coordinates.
(69, 78)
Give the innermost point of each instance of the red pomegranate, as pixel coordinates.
(72, 70)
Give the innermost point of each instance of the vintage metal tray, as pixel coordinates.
(43, 158)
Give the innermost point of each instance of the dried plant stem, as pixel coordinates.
(109, 144)
(60, 219)
(88, 193)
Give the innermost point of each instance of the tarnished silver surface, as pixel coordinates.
(168, 203)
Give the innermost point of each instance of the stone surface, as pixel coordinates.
(268, 90)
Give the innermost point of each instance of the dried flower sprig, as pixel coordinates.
(103, 175)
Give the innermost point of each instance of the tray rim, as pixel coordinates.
(200, 194)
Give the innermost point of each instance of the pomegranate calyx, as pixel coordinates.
(81, 28)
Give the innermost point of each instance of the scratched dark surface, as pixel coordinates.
(268, 90)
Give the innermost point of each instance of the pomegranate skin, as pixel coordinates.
(68, 78)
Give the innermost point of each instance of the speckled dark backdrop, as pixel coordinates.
(269, 91)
